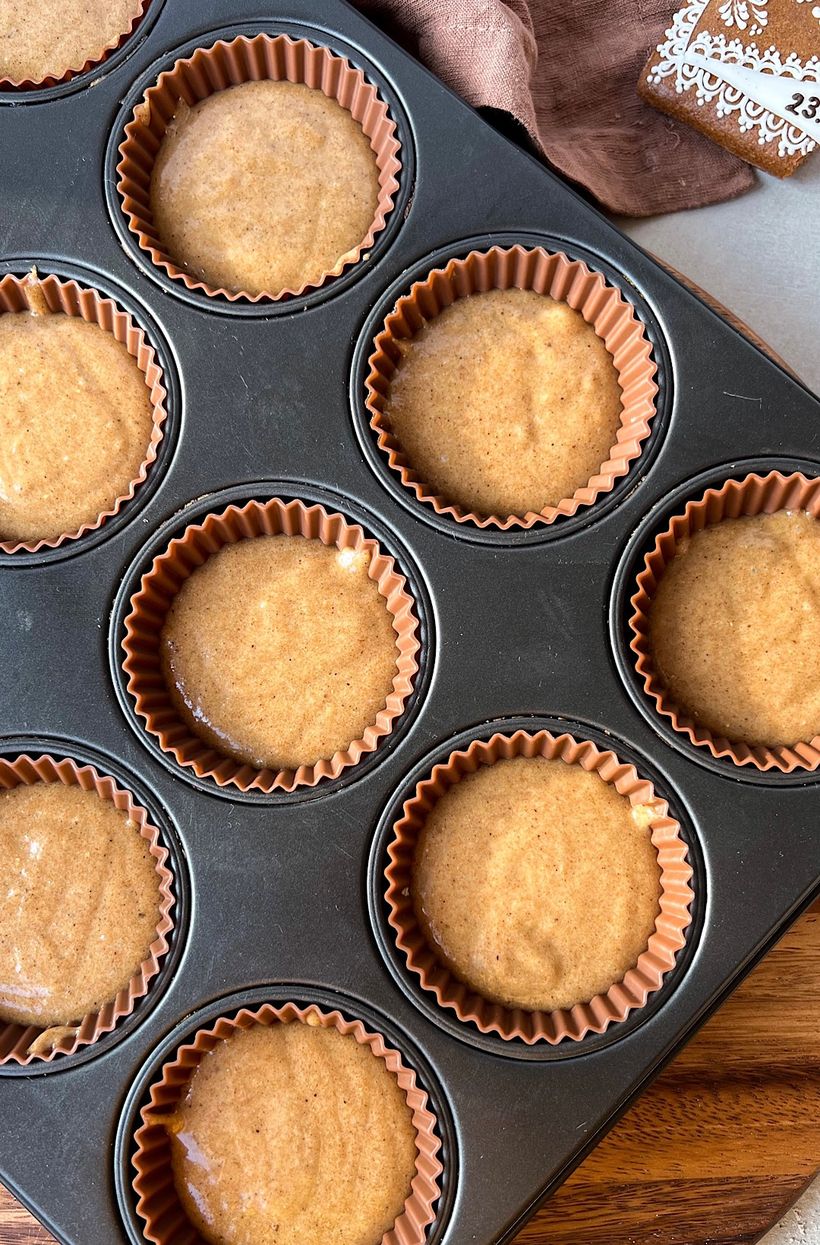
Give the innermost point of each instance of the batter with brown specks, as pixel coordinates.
(75, 424)
(735, 628)
(263, 187)
(46, 38)
(536, 883)
(505, 402)
(293, 1134)
(80, 903)
(280, 651)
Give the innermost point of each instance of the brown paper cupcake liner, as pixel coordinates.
(212, 69)
(59, 76)
(623, 997)
(149, 609)
(158, 1202)
(22, 1044)
(603, 306)
(49, 295)
(754, 494)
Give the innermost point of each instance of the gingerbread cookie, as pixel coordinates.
(745, 72)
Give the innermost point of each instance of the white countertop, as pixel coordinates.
(760, 255)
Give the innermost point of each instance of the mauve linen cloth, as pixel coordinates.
(567, 71)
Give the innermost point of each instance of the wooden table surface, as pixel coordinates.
(715, 1150)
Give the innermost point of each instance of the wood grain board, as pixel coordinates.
(726, 1138)
(715, 1150)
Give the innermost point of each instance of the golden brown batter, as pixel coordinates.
(42, 38)
(735, 628)
(506, 402)
(80, 903)
(75, 424)
(536, 883)
(280, 650)
(263, 187)
(293, 1135)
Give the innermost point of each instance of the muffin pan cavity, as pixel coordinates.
(183, 545)
(568, 284)
(343, 1131)
(151, 1210)
(612, 306)
(231, 57)
(517, 1032)
(743, 489)
(517, 632)
(146, 646)
(35, 761)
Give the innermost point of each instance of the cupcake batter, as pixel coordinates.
(75, 424)
(263, 187)
(735, 628)
(49, 37)
(536, 883)
(280, 650)
(293, 1135)
(81, 903)
(505, 403)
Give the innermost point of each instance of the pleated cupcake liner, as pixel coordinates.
(752, 495)
(59, 76)
(23, 1044)
(158, 1202)
(613, 318)
(147, 683)
(623, 997)
(48, 295)
(225, 64)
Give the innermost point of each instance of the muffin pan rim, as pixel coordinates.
(158, 469)
(313, 297)
(395, 960)
(278, 993)
(288, 490)
(107, 765)
(628, 565)
(585, 516)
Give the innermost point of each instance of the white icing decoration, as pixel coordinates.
(766, 89)
(743, 14)
(752, 84)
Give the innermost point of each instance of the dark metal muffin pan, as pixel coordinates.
(280, 895)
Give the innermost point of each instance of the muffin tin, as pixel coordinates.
(280, 895)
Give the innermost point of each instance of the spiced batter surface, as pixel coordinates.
(505, 402)
(536, 883)
(735, 628)
(75, 424)
(46, 38)
(293, 1134)
(263, 187)
(280, 651)
(80, 903)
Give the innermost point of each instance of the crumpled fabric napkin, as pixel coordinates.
(567, 71)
